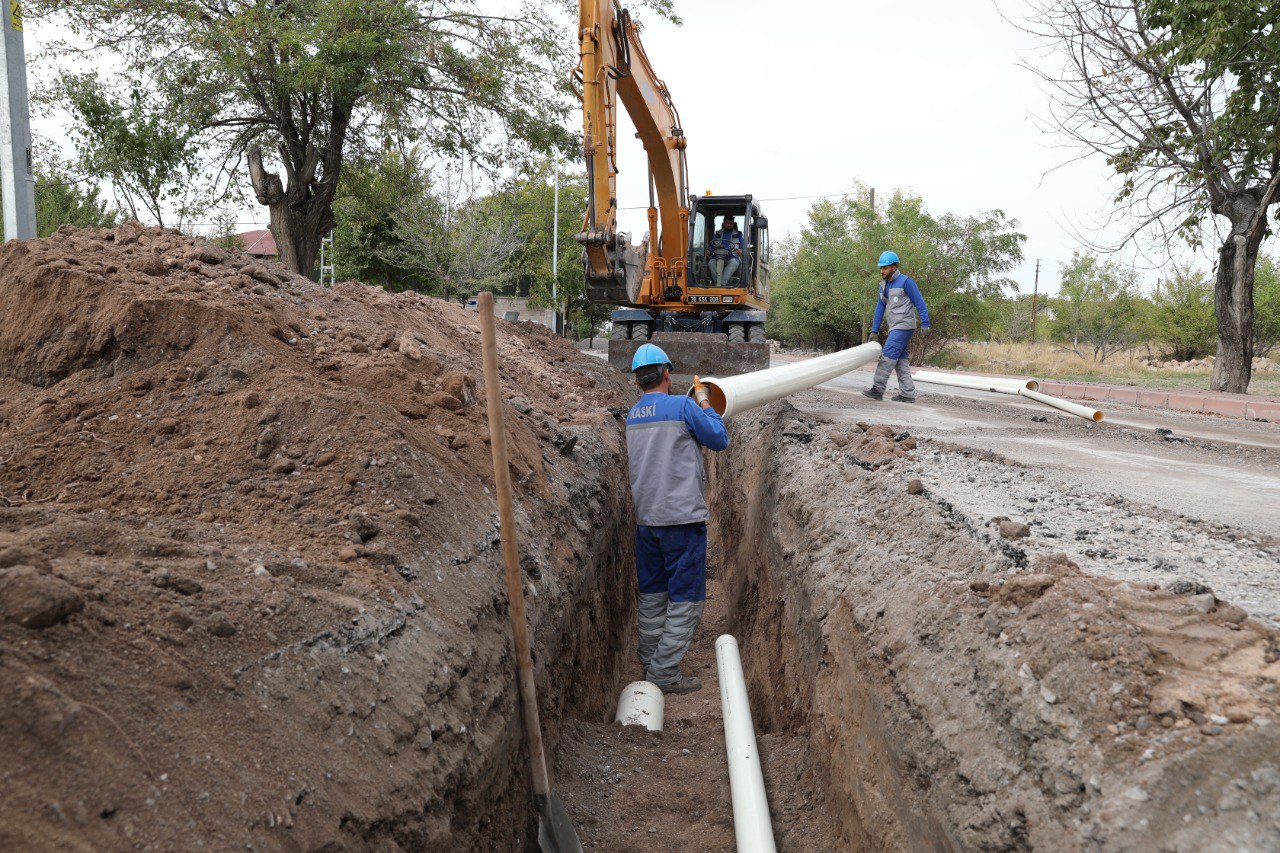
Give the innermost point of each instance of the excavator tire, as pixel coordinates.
(755, 334)
(737, 334)
(639, 332)
(620, 332)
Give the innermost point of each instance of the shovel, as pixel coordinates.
(555, 832)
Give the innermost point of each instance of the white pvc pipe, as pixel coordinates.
(999, 384)
(1085, 412)
(641, 704)
(751, 823)
(746, 391)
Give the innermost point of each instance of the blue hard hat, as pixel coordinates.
(650, 354)
(887, 258)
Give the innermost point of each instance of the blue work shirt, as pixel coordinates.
(724, 242)
(665, 435)
(900, 294)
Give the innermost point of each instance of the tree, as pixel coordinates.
(291, 86)
(1183, 99)
(1185, 319)
(826, 285)
(62, 199)
(1098, 308)
(1266, 316)
(372, 194)
(145, 155)
(532, 196)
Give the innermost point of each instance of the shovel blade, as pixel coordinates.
(555, 830)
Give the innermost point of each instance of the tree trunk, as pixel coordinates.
(1233, 304)
(300, 216)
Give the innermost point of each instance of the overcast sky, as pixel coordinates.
(802, 99)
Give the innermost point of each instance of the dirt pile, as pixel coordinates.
(957, 694)
(249, 588)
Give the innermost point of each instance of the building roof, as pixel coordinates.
(260, 243)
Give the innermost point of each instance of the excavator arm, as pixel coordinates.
(613, 66)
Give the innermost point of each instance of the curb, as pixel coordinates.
(1200, 402)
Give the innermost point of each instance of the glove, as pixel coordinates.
(924, 331)
(700, 393)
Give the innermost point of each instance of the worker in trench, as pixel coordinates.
(665, 437)
(900, 301)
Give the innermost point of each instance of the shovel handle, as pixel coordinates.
(510, 551)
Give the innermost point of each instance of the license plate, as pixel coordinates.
(700, 300)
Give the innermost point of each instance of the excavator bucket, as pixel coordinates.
(697, 353)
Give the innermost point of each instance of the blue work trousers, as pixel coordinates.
(671, 565)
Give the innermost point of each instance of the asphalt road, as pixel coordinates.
(1214, 468)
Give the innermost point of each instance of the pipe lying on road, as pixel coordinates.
(999, 384)
(1085, 412)
(1028, 388)
(751, 823)
(735, 394)
(641, 704)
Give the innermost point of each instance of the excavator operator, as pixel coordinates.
(725, 250)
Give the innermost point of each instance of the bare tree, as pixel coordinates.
(1181, 113)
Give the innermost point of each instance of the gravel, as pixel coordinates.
(1105, 534)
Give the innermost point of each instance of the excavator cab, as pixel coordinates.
(706, 219)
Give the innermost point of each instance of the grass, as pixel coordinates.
(1048, 361)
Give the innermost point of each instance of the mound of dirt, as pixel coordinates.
(956, 694)
(249, 585)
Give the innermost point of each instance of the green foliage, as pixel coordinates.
(371, 198)
(1185, 320)
(1098, 308)
(296, 86)
(1266, 305)
(826, 283)
(61, 199)
(146, 155)
(1236, 45)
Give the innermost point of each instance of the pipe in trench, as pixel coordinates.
(641, 704)
(734, 394)
(751, 823)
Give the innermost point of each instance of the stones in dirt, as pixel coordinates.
(36, 600)
(915, 487)
(1010, 529)
(220, 626)
(364, 527)
(268, 441)
(1203, 602)
(1022, 589)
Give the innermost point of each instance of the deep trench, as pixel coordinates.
(800, 701)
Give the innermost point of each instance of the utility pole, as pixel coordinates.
(555, 251)
(873, 198)
(17, 173)
(1035, 293)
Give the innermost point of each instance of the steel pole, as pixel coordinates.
(555, 251)
(17, 172)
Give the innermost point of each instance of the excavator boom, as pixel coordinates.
(673, 281)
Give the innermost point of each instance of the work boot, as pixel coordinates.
(873, 394)
(898, 398)
(687, 684)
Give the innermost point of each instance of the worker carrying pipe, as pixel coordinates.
(665, 437)
(900, 300)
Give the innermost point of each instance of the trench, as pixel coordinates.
(836, 776)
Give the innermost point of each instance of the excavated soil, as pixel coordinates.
(250, 594)
(251, 597)
(955, 694)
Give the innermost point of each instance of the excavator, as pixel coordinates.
(668, 287)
